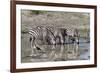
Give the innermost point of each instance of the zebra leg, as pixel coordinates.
(76, 46)
(32, 45)
(53, 44)
(77, 40)
(62, 40)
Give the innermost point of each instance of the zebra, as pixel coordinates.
(40, 36)
(58, 36)
(51, 35)
(72, 36)
(66, 36)
(34, 36)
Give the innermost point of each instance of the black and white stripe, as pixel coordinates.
(33, 32)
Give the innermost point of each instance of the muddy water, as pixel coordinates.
(65, 52)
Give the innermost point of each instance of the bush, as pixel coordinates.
(37, 12)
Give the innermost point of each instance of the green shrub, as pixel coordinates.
(37, 12)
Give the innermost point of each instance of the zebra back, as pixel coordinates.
(33, 32)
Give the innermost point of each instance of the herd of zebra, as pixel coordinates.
(48, 35)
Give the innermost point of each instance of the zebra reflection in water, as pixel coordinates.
(40, 36)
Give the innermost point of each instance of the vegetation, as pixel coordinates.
(38, 12)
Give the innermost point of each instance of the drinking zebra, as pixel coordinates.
(40, 36)
(72, 36)
(33, 44)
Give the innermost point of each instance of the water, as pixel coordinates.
(85, 53)
(51, 53)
